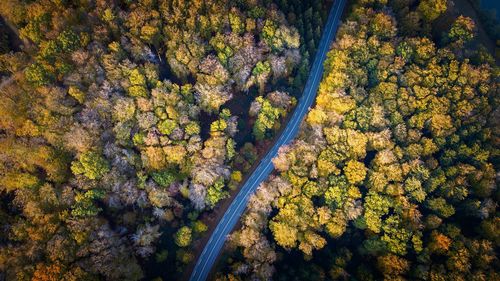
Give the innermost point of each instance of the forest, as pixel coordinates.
(125, 124)
(394, 174)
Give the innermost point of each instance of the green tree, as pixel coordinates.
(68, 40)
(183, 236)
(215, 193)
(266, 117)
(441, 207)
(85, 203)
(199, 227)
(462, 29)
(432, 9)
(166, 127)
(38, 74)
(90, 164)
(138, 84)
(164, 178)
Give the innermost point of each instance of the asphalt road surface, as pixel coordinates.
(212, 249)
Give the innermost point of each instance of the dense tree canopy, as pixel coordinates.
(119, 126)
(394, 173)
(124, 124)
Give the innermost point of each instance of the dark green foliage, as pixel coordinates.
(38, 75)
(164, 178)
(85, 203)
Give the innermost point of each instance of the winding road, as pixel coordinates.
(212, 249)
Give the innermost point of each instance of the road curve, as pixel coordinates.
(212, 249)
